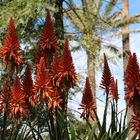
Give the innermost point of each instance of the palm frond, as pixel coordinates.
(109, 7)
(129, 20)
(76, 18)
(99, 5)
(114, 16)
(85, 6)
(128, 32)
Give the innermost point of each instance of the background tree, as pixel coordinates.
(126, 50)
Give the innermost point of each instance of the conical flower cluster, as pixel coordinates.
(132, 91)
(41, 79)
(87, 103)
(65, 74)
(106, 76)
(10, 51)
(27, 86)
(48, 43)
(113, 90)
(17, 106)
(4, 95)
(132, 82)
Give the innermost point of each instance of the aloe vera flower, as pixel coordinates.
(66, 75)
(106, 76)
(27, 86)
(135, 124)
(10, 51)
(41, 78)
(113, 90)
(53, 102)
(4, 94)
(132, 84)
(47, 43)
(87, 103)
(17, 106)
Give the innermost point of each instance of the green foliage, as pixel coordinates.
(25, 14)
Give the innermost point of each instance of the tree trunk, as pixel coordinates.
(126, 48)
(62, 130)
(91, 72)
(59, 25)
(125, 34)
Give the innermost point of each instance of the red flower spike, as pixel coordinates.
(136, 103)
(27, 80)
(41, 75)
(66, 58)
(55, 62)
(17, 107)
(48, 43)
(27, 86)
(66, 73)
(106, 76)
(131, 81)
(113, 90)
(54, 69)
(41, 80)
(53, 103)
(87, 104)
(136, 124)
(10, 51)
(4, 94)
(48, 40)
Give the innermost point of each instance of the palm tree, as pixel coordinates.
(126, 48)
(93, 20)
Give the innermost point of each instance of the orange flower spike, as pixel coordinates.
(87, 104)
(27, 81)
(47, 43)
(54, 69)
(87, 95)
(66, 58)
(41, 81)
(53, 103)
(17, 106)
(55, 63)
(113, 91)
(106, 76)
(53, 98)
(4, 93)
(131, 80)
(48, 40)
(10, 51)
(66, 68)
(41, 75)
(136, 124)
(27, 86)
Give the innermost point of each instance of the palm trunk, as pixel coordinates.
(126, 48)
(91, 72)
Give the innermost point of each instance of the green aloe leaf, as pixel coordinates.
(72, 130)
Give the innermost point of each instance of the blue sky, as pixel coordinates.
(134, 7)
(117, 71)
